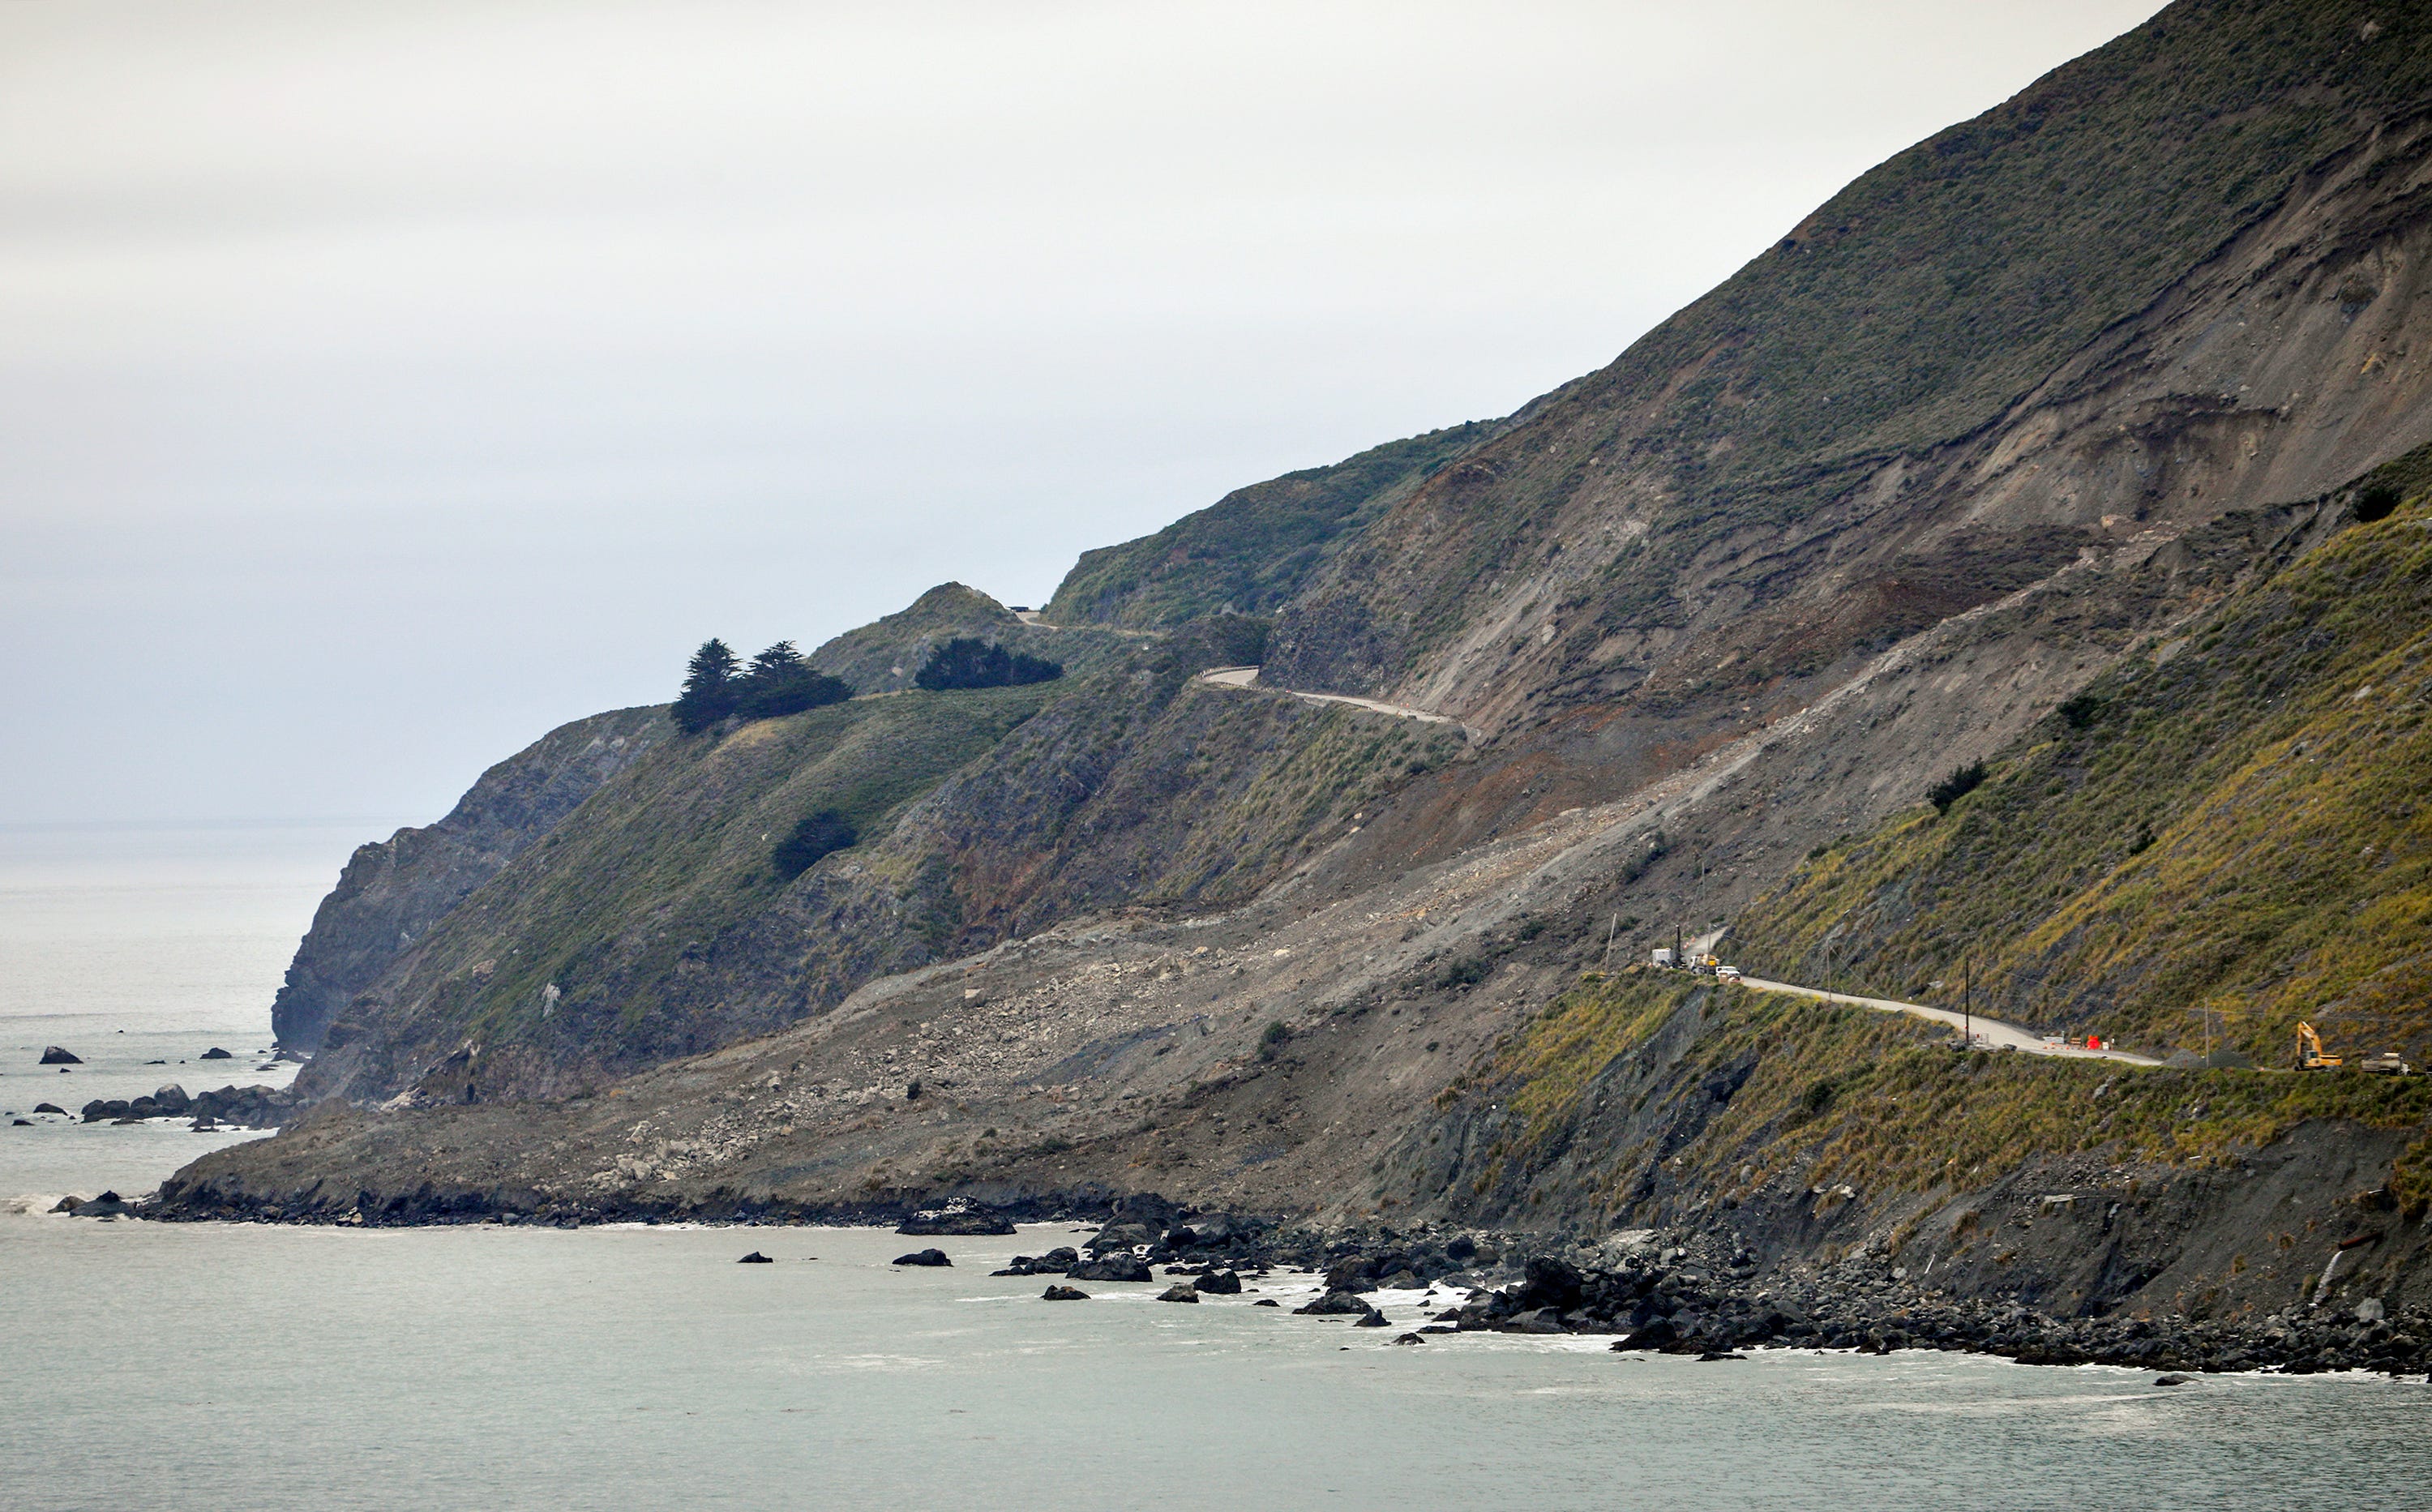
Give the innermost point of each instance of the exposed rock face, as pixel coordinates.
(54, 1055)
(2020, 408)
(392, 891)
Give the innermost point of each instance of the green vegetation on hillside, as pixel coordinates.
(778, 682)
(620, 904)
(967, 661)
(1256, 546)
(1835, 1093)
(2233, 831)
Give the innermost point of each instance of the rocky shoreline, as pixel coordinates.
(1676, 1293)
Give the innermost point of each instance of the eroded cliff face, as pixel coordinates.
(2013, 413)
(393, 890)
(2105, 308)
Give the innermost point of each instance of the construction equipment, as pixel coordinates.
(2309, 1051)
(2386, 1064)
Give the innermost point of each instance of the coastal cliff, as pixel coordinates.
(2078, 447)
(393, 890)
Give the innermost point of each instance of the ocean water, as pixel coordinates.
(234, 1366)
(133, 944)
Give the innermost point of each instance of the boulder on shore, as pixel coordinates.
(1219, 1282)
(1112, 1268)
(54, 1055)
(1331, 1304)
(1064, 1294)
(923, 1257)
(957, 1222)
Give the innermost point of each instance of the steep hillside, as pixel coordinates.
(1256, 547)
(2235, 827)
(2040, 445)
(617, 905)
(393, 890)
(651, 922)
(886, 655)
(2177, 276)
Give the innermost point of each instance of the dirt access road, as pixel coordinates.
(1248, 678)
(1988, 1031)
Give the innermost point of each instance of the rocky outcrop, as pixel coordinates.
(54, 1055)
(392, 891)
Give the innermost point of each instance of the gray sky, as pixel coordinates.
(382, 383)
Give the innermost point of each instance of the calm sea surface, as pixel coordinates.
(235, 1365)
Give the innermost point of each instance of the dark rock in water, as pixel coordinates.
(131, 1118)
(103, 1108)
(1333, 1303)
(1353, 1275)
(53, 1055)
(1064, 1294)
(50, 1108)
(21, 1123)
(755, 1258)
(1371, 1318)
(1409, 1338)
(108, 1205)
(1219, 1282)
(1266, 1302)
(67, 1204)
(1710, 1356)
(2173, 1379)
(923, 1257)
(1123, 1236)
(957, 1222)
(1657, 1332)
(1113, 1267)
(1178, 1292)
(1535, 1321)
(215, 1053)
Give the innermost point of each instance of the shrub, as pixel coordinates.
(2081, 711)
(1272, 1042)
(821, 835)
(2376, 502)
(1958, 784)
(968, 662)
(773, 694)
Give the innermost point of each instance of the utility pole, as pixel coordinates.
(1967, 1003)
(1606, 964)
(1677, 957)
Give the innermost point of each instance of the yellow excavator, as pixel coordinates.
(2311, 1057)
(2309, 1051)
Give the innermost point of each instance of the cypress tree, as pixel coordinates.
(709, 692)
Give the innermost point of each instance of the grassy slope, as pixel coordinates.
(1253, 549)
(1924, 298)
(2243, 823)
(617, 900)
(1875, 1099)
(869, 657)
(983, 815)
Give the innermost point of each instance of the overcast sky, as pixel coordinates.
(382, 383)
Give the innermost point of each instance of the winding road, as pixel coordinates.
(1248, 678)
(1988, 1031)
